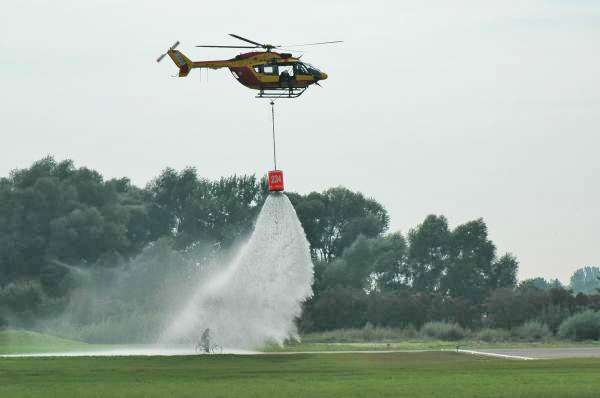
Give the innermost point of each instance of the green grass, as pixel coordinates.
(23, 342)
(362, 346)
(420, 344)
(409, 336)
(431, 374)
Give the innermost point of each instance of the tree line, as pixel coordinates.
(57, 220)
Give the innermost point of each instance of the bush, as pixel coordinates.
(339, 308)
(493, 335)
(553, 316)
(443, 330)
(533, 330)
(21, 302)
(373, 333)
(409, 332)
(367, 333)
(582, 326)
(396, 309)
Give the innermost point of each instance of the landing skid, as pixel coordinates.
(291, 92)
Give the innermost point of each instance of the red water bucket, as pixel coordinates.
(275, 180)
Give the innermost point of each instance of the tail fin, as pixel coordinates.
(183, 63)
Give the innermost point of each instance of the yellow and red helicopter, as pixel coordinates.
(275, 75)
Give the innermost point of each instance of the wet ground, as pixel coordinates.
(137, 350)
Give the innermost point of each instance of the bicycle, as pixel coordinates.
(212, 349)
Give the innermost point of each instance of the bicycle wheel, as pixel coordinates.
(216, 349)
(198, 349)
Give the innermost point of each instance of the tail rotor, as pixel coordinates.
(173, 47)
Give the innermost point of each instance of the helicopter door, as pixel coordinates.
(286, 75)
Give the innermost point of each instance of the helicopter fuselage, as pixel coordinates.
(259, 70)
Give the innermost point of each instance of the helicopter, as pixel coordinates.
(274, 74)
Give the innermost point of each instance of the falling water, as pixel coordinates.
(256, 298)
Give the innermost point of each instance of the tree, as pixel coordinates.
(55, 211)
(390, 263)
(354, 267)
(52, 215)
(194, 209)
(399, 308)
(503, 272)
(507, 308)
(334, 219)
(171, 193)
(472, 254)
(460, 264)
(373, 264)
(235, 204)
(429, 253)
(339, 307)
(540, 283)
(312, 215)
(586, 280)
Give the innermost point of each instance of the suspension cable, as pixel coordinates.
(273, 119)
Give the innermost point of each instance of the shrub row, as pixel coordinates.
(443, 330)
(367, 333)
(581, 326)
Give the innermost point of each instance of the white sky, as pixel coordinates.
(463, 108)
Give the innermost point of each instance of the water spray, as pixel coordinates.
(256, 298)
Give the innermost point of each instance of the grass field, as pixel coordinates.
(25, 342)
(420, 344)
(430, 374)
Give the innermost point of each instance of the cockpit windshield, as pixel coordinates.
(306, 69)
(312, 68)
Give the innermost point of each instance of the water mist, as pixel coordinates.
(256, 298)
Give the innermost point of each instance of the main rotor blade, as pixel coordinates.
(246, 40)
(161, 57)
(230, 46)
(287, 49)
(312, 44)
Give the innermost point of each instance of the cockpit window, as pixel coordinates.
(267, 69)
(270, 69)
(307, 69)
(312, 68)
(301, 69)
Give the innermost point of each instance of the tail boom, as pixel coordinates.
(185, 65)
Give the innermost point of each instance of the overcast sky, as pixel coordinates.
(464, 108)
